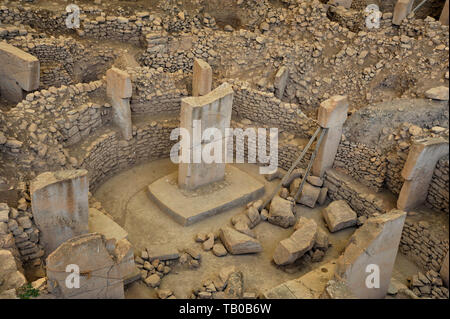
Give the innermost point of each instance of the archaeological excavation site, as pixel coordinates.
(224, 149)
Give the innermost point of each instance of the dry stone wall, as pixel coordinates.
(427, 248)
(438, 193)
(367, 165)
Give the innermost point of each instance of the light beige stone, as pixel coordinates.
(374, 243)
(118, 83)
(418, 171)
(309, 195)
(238, 243)
(401, 10)
(211, 110)
(444, 15)
(119, 91)
(202, 78)
(333, 112)
(280, 212)
(19, 71)
(59, 201)
(280, 82)
(290, 249)
(339, 215)
(100, 276)
(439, 93)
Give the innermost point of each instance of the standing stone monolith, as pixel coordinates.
(444, 15)
(367, 262)
(280, 82)
(19, 72)
(202, 78)
(59, 201)
(332, 115)
(418, 171)
(197, 115)
(88, 257)
(119, 91)
(401, 10)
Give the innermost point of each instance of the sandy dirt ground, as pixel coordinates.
(124, 197)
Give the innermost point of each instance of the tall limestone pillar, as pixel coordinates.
(119, 91)
(418, 171)
(332, 115)
(59, 201)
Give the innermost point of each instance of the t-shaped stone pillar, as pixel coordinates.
(418, 171)
(401, 10)
(60, 206)
(119, 90)
(332, 115)
(210, 111)
(202, 78)
(444, 15)
(370, 256)
(19, 72)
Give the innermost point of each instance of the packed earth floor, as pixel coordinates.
(92, 93)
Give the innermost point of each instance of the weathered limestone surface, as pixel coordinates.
(238, 243)
(211, 110)
(444, 15)
(332, 115)
(302, 240)
(202, 78)
(19, 71)
(100, 274)
(101, 223)
(280, 212)
(280, 81)
(60, 206)
(339, 215)
(418, 171)
(444, 270)
(375, 243)
(401, 10)
(344, 3)
(309, 286)
(119, 90)
(10, 277)
(439, 93)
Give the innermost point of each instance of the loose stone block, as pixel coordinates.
(439, 93)
(339, 215)
(100, 275)
(210, 111)
(280, 212)
(374, 243)
(238, 243)
(202, 78)
(309, 195)
(10, 277)
(302, 240)
(401, 10)
(59, 201)
(19, 71)
(418, 171)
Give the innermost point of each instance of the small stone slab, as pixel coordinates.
(238, 243)
(339, 215)
(162, 252)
